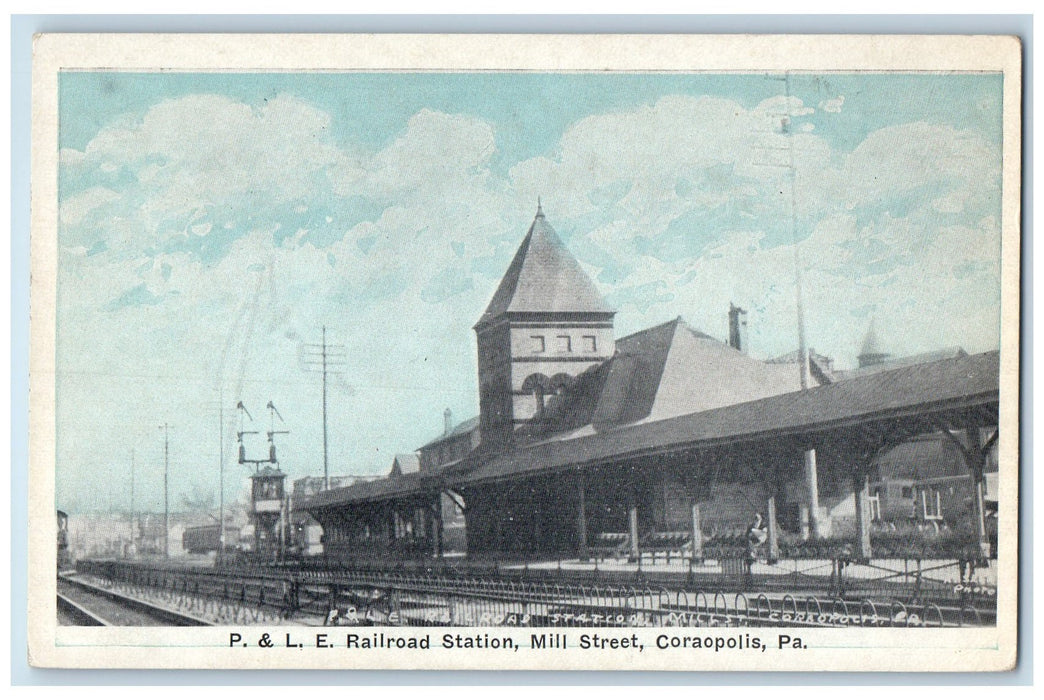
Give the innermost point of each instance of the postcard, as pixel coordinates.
(525, 352)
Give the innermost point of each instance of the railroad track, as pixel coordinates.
(83, 604)
(317, 593)
(73, 614)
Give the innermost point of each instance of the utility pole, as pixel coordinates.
(220, 550)
(786, 130)
(326, 458)
(221, 477)
(811, 475)
(323, 357)
(132, 514)
(166, 499)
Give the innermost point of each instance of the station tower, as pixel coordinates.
(545, 325)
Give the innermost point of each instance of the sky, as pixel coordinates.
(210, 226)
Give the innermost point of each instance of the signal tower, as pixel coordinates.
(268, 504)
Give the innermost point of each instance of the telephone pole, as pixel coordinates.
(166, 499)
(133, 549)
(788, 167)
(220, 406)
(324, 357)
(221, 478)
(326, 462)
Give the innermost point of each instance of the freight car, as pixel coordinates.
(202, 539)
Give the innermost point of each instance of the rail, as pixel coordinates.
(357, 597)
(164, 614)
(79, 615)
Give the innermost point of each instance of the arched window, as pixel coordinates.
(561, 383)
(539, 386)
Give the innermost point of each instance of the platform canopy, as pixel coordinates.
(917, 394)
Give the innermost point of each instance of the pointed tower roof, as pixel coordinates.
(871, 352)
(544, 277)
(871, 343)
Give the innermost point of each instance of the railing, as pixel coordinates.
(355, 597)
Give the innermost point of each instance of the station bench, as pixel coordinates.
(665, 544)
(610, 545)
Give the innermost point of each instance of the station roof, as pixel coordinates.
(662, 372)
(367, 491)
(955, 382)
(909, 390)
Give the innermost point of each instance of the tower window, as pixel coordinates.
(590, 343)
(565, 344)
(537, 344)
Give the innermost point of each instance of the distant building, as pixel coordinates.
(405, 463)
(926, 480)
(109, 535)
(873, 357)
(455, 443)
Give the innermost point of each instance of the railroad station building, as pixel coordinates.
(665, 438)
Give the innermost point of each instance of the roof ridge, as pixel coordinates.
(700, 334)
(675, 320)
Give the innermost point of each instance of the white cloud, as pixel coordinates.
(675, 207)
(75, 208)
(908, 157)
(833, 105)
(436, 149)
(209, 150)
(871, 215)
(70, 157)
(781, 106)
(950, 203)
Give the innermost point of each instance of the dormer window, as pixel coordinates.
(564, 344)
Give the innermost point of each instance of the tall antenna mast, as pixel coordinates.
(324, 357)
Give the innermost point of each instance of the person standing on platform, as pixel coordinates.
(757, 533)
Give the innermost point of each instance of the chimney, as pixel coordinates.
(737, 327)
(447, 419)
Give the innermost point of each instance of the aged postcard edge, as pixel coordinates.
(736, 53)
